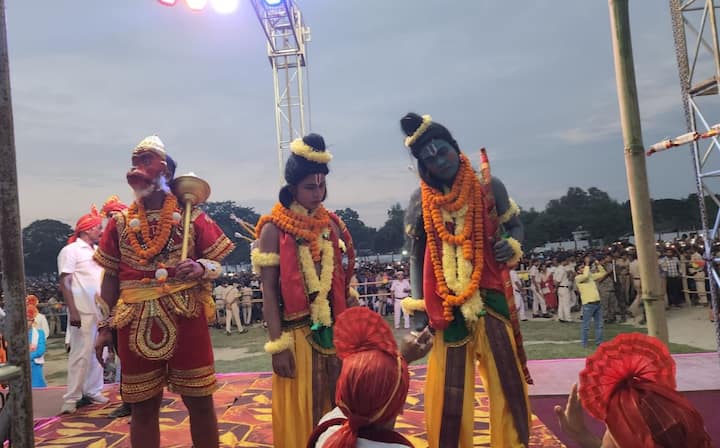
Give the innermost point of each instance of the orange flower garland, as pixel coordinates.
(465, 191)
(153, 245)
(307, 227)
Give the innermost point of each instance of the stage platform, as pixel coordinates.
(243, 408)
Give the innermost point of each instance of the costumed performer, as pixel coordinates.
(112, 206)
(465, 233)
(629, 383)
(300, 253)
(373, 384)
(159, 303)
(37, 342)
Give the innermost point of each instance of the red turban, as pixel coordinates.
(112, 205)
(629, 383)
(85, 223)
(374, 379)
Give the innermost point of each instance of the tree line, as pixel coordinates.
(592, 210)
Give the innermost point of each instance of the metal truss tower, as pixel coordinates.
(699, 70)
(286, 38)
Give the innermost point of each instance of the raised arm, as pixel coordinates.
(416, 241)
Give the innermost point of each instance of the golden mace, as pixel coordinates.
(190, 191)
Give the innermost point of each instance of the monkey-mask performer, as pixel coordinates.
(159, 303)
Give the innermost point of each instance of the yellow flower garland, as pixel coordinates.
(410, 305)
(514, 210)
(458, 270)
(300, 148)
(284, 342)
(261, 260)
(517, 247)
(320, 307)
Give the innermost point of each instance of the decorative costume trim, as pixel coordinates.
(302, 149)
(511, 212)
(138, 224)
(410, 305)
(353, 293)
(427, 121)
(342, 246)
(459, 268)
(517, 248)
(299, 223)
(284, 342)
(261, 260)
(213, 269)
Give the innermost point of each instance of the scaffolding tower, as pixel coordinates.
(286, 38)
(699, 70)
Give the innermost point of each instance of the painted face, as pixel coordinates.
(310, 192)
(146, 168)
(441, 159)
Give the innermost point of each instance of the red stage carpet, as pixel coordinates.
(243, 408)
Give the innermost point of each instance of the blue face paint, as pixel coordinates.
(441, 159)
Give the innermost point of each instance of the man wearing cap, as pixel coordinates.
(159, 303)
(80, 278)
(465, 235)
(399, 290)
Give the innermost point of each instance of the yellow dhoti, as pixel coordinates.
(503, 432)
(292, 398)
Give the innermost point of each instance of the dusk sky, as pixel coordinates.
(534, 84)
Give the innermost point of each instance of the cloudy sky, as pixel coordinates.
(534, 84)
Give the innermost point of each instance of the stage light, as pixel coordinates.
(196, 5)
(168, 2)
(274, 2)
(225, 6)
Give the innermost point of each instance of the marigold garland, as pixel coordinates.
(163, 231)
(458, 269)
(299, 223)
(320, 307)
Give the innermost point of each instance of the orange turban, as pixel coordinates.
(629, 383)
(112, 205)
(85, 223)
(374, 380)
(31, 307)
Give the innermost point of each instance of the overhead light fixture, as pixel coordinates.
(225, 6)
(196, 5)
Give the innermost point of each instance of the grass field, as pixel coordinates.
(244, 352)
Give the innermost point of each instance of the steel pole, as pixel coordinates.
(11, 260)
(639, 192)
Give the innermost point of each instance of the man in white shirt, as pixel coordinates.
(219, 296)
(539, 305)
(400, 289)
(518, 293)
(563, 276)
(231, 297)
(80, 279)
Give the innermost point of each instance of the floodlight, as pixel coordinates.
(225, 6)
(273, 2)
(196, 5)
(168, 2)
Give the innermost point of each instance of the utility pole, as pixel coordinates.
(17, 372)
(639, 192)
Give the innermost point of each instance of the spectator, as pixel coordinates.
(400, 289)
(518, 293)
(36, 340)
(231, 297)
(246, 296)
(590, 298)
(670, 266)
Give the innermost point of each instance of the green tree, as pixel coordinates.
(42, 242)
(363, 236)
(390, 237)
(221, 213)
